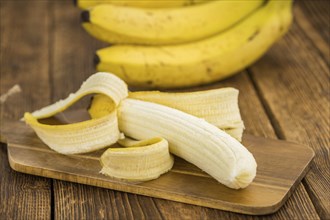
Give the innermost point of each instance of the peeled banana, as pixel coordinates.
(112, 112)
(85, 4)
(203, 61)
(191, 138)
(116, 24)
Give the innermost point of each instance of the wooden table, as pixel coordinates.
(284, 95)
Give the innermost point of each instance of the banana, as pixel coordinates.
(116, 24)
(192, 138)
(85, 4)
(139, 161)
(203, 61)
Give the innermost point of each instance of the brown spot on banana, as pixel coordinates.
(254, 35)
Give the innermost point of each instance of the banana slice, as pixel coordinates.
(139, 161)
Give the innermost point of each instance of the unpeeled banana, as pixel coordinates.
(85, 4)
(203, 61)
(116, 24)
(190, 137)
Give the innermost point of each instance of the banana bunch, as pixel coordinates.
(173, 45)
(150, 126)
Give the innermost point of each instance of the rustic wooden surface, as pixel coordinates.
(281, 167)
(284, 95)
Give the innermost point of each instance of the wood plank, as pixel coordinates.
(24, 61)
(313, 17)
(318, 13)
(295, 91)
(281, 166)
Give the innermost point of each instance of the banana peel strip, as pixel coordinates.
(84, 136)
(79, 137)
(104, 83)
(139, 161)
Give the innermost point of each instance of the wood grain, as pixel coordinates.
(281, 166)
(313, 18)
(295, 90)
(23, 61)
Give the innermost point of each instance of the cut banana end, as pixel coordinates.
(190, 138)
(139, 161)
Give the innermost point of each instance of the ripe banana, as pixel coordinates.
(189, 137)
(116, 24)
(203, 61)
(85, 4)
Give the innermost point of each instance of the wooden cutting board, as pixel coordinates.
(281, 166)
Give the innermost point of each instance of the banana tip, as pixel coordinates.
(85, 16)
(96, 60)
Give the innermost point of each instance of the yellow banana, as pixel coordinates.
(85, 4)
(203, 61)
(115, 24)
(189, 137)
